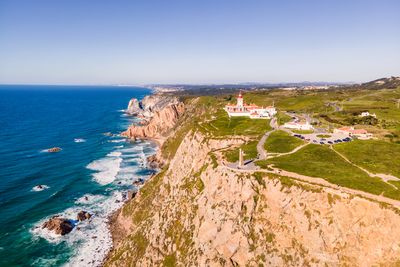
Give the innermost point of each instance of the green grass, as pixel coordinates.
(282, 118)
(320, 161)
(222, 125)
(169, 261)
(323, 135)
(281, 142)
(249, 150)
(374, 155)
(303, 131)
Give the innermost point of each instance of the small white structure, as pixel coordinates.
(350, 131)
(253, 111)
(298, 125)
(367, 114)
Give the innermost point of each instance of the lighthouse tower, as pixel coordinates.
(240, 100)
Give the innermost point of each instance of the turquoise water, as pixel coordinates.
(92, 172)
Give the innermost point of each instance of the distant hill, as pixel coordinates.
(382, 83)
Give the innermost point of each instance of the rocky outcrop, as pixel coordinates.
(201, 213)
(83, 215)
(58, 225)
(54, 149)
(150, 104)
(134, 107)
(159, 125)
(154, 161)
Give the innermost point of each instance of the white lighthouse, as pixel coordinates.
(249, 110)
(240, 100)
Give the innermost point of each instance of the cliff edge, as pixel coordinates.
(199, 212)
(161, 115)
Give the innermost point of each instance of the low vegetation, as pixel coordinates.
(320, 161)
(303, 131)
(249, 149)
(282, 118)
(375, 156)
(222, 125)
(281, 142)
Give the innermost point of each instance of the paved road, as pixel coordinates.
(262, 154)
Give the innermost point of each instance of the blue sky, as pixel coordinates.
(204, 41)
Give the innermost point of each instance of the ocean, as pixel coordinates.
(92, 172)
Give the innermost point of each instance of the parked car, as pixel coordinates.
(314, 141)
(330, 142)
(322, 143)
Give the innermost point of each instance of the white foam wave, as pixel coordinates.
(114, 154)
(91, 236)
(107, 169)
(89, 199)
(92, 239)
(116, 141)
(40, 187)
(79, 140)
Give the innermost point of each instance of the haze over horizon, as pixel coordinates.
(202, 42)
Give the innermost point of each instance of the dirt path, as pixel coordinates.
(384, 177)
(275, 155)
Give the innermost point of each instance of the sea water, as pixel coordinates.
(92, 172)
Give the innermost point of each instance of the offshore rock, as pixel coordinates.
(83, 215)
(58, 225)
(54, 149)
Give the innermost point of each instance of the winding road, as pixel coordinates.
(262, 154)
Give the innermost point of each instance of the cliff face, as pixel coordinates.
(161, 122)
(150, 104)
(199, 213)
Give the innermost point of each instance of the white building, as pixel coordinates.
(350, 131)
(299, 125)
(366, 114)
(253, 111)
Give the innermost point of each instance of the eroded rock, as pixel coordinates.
(59, 225)
(83, 215)
(54, 149)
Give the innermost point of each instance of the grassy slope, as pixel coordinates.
(281, 142)
(249, 150)
(282, 118)
(373, 155)
(320, 161)
(222, 125)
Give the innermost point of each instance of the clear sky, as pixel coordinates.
(203, 41)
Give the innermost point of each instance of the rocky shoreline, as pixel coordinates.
(159, 114)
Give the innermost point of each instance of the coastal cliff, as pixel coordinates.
(162, 112)
(150, 104)
(199, 212)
